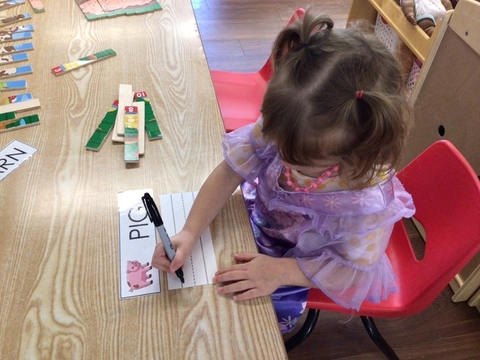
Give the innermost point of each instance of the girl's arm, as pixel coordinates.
(211, 198)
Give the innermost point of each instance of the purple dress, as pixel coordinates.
(338, 235)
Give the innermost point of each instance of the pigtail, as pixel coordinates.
(297, 47)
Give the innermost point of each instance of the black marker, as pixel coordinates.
(154, 216)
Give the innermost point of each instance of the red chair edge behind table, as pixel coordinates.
(446, 193)
(240, 94)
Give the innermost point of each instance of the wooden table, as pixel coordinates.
(59, 222)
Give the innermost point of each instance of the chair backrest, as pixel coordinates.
(446, 193)
(266, 70)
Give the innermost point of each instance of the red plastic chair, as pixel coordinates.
(446, 193)
(240, 94)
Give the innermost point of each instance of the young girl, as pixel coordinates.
(317, 173)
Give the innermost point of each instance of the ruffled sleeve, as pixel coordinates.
(246, 151)
(344, 256)
(354, 269)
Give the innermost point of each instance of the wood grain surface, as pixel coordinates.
(59, 224)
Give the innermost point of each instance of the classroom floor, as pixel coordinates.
(237, 35)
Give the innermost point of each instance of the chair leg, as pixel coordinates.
(305, 330)
(377, 338)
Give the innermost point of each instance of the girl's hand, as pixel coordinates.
(182, 243)
(255, 275)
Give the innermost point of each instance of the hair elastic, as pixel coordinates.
(358, 94)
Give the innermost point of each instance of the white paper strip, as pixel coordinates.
(200, 267)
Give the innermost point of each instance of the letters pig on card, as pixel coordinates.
(137, 241)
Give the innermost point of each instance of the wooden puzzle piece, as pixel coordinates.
(141, 126)
(101, 55)
(20, 123)
(14, 18)
(98, 137)
(8, 4)
(13, 85)
(7, 116)
(94, 9)
(16, 48)
(15, 36)
(131, 154)
(15, 99)
(151, 125)
(16, 71)
(125, 96)
(20, 105)
(13, 58)
(37, 6)
(16, 29)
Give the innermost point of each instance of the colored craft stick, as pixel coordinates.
(20, 70)
(16, 29)
(131, 135)
(12, 49)
(21, 123)
(8, 4)
(151, 124)
(13, 85)
(37, 6)
(62, 69)
(15, 36)
(100, 134)
(14, 18)
(125, 96)
(141, 126)
(7, 116)
(13, 58)
(12, 99)
(21, 106)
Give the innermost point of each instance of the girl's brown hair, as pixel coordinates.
(335, 93)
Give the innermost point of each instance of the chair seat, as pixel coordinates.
(239, 96)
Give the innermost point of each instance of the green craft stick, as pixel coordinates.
(19, 123)
(98, 137)
(151, 124)
(7, 116)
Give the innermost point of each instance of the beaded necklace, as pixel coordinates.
(313, 184)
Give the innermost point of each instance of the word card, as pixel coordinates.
(86, 60)
(200, 267)
(13, 155)
(137, 240)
